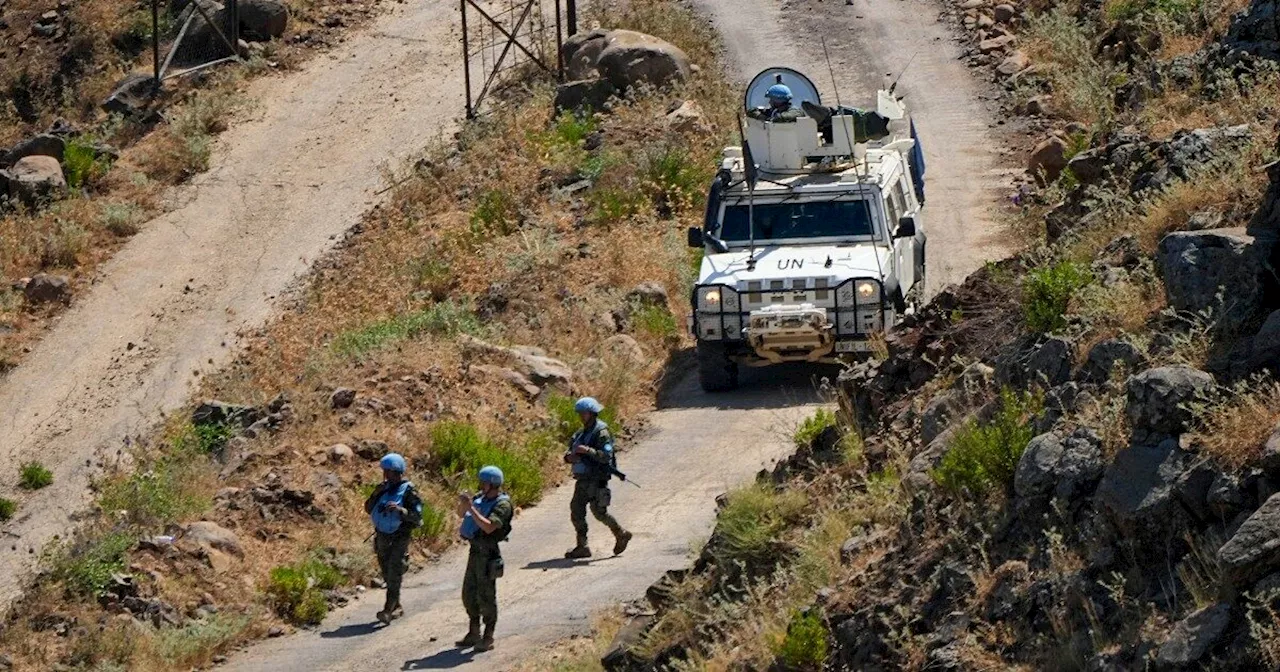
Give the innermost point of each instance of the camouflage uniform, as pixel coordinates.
(392, 550)
(592, 487)
(480, 584)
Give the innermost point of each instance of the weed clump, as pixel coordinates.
(296, 591)
(8, 507)
(86, 569)
(813, 426)
(752, 519)
(805, 645)
(461, 450)
(656, 321)
(1046, 293)
(984, 456)
(444, 319)
(33, 476)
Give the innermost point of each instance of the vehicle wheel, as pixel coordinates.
(716, 371)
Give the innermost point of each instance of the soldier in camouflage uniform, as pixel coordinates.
(486, 521)
(396, 510)
(591, 453)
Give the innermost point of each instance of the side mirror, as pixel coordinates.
(906, 228)
(695, 237)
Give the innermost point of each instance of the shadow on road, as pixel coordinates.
(355, 630)
(770, 387)
(447, 659)
(564, 563)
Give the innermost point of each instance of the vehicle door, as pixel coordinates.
(904, 247)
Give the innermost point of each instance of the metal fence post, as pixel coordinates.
(155, 40)
(466, 59)
(571, 7)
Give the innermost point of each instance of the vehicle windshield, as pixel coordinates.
(776, 221)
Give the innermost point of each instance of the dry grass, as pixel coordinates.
(1234, 429)
(578, 654)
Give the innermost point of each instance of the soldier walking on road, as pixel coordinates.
(591, 454)
(396, 510)
(486, 521)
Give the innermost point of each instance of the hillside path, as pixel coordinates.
(701, 445)
(284, 185)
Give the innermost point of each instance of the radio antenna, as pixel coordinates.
(911, 60)
(835, 88)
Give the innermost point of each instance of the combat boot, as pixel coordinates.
(620, 544)
(486, 642)
(472, 638)
(578, 552)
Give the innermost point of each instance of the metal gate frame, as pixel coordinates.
(161, 71)
(512, 38)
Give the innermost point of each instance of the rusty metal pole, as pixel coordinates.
(155, 40)
(466, 59)
(571, 8)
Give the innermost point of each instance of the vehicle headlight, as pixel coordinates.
(715, 299)
(867, 291)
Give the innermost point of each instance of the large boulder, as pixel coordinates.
(1265, 350)
(630, 59)
(941, 411)
(581, 54)
(1187, 152)
(1158, 398)
(212, 535)
(45, 144)
(1138, 491)
(1218, 270)
(1254, 549)
(1046, 362)
(206, 37)
(583, 95)
(1257, 30)
(1057, 468)
(1193, 637)
(36, 179)
(1104, 357)
(1048, 159)
(131, 95)
(262, 20)
(45, 288)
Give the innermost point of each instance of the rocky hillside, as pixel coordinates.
(1068, 462)
(454, 326)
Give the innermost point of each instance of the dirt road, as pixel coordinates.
(283, 186)
(701, 444)
(698, 446)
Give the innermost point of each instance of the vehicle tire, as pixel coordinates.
(716, 372)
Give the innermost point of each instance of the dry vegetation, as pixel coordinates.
(67, 76)
(466, 247)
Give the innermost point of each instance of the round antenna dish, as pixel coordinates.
(802, 89)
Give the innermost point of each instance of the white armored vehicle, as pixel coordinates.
(813, 240)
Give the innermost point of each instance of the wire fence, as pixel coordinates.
(503, 40)
(191, 35)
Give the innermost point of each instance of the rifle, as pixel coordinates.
(610, 468)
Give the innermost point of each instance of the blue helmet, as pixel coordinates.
(392, 462)
(588, 405)
(778, 92)
(491, 475)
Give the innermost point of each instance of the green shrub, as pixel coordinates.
(1046, 292)
(86, 568)
(805, 645)
(495, 213)
(752, 520)
(610, 205)
(188, 646)
(571, 128)
(984, 456)
(8, 507)
(121, 219)
(166, 492)
(296, 590)
(445, 319)
(813, 426)
(672, 178)
(460, 451)
(80, 163)
(433, 524)
(211, 437)
(656, 321)
(33, 476)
